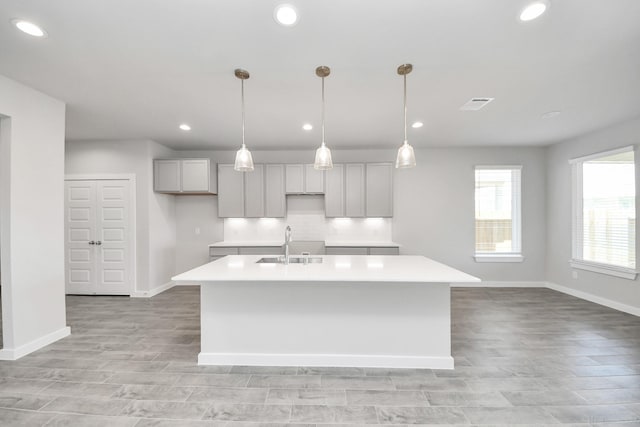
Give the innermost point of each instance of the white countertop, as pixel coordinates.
(335, 268)
(327, 243)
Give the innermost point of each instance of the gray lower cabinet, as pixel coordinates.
(254, 192)
(274, 190)
(230, 192)
(218, 252)
(183, 176)
(360, 250)
(379, 190)
(334, 192)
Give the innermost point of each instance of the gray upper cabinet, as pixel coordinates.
(313, 180)
(274, 189)
(166, 176)
(195, 175)
(304, 179)
(354, 190)
(184, 176)
(379, 190)
(334, 192)
(230, 192)
(295, 179)
(254, 192)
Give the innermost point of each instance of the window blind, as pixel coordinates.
(605, 215)
(497, 209)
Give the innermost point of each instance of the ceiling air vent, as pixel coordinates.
(474, 104)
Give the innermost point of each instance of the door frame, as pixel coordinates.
(133, 219)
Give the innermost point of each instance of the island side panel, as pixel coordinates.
(392, 325)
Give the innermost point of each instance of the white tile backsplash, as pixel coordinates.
(305, 215)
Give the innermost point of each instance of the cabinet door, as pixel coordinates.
(384, 251)
(334, 194)
(195, 175)
(275, 199)
(295, 179)
(354, 190)
(254, 192)
(166, 176)
(340, 250)
(230, 192)
(313, 180)
(379, 190)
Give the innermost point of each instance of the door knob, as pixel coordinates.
(92, 242)
(98, 242)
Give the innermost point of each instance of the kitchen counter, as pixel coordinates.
(334, 268)
(349, 311)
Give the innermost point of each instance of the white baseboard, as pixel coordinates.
(500, 284)
(594, 298)
(333, 360)
(153, 292)
(37, 344)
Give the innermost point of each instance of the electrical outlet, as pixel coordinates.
(574, 274)
(197, 231)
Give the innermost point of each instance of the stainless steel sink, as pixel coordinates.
(292, 260)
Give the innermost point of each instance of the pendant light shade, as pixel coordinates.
(323, 154)
(406, 157)
(244, 161)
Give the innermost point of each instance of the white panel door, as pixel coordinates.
(80, 226)
(98, 243)
(113, 245)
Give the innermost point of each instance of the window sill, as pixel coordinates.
(608, 269)
(499, 258)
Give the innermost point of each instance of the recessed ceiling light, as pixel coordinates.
(29, 28)
(551, 114)
(533, 10)
(417, 125)
(286, 15)
(307, 126)
(185, 127)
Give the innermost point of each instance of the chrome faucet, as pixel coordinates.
(287, 239)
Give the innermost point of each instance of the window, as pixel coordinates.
(498, 227)
(604, 213)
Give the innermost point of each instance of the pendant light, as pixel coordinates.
(244, 161)
(323, 154)
(406, 158)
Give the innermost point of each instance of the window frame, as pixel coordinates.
(577, 260)
(516, 220)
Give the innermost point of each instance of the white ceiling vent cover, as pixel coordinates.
(474, 104)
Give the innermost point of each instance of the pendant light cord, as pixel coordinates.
(242, 95)
(405, 108)
(323, 111)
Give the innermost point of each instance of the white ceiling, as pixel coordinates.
(138, 68)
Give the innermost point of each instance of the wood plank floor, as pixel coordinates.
(523, 356)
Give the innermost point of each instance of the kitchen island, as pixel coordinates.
(348, 310)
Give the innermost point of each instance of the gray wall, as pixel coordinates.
(155, 212)
(32, 218)
(621, 291)
(434, 209)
